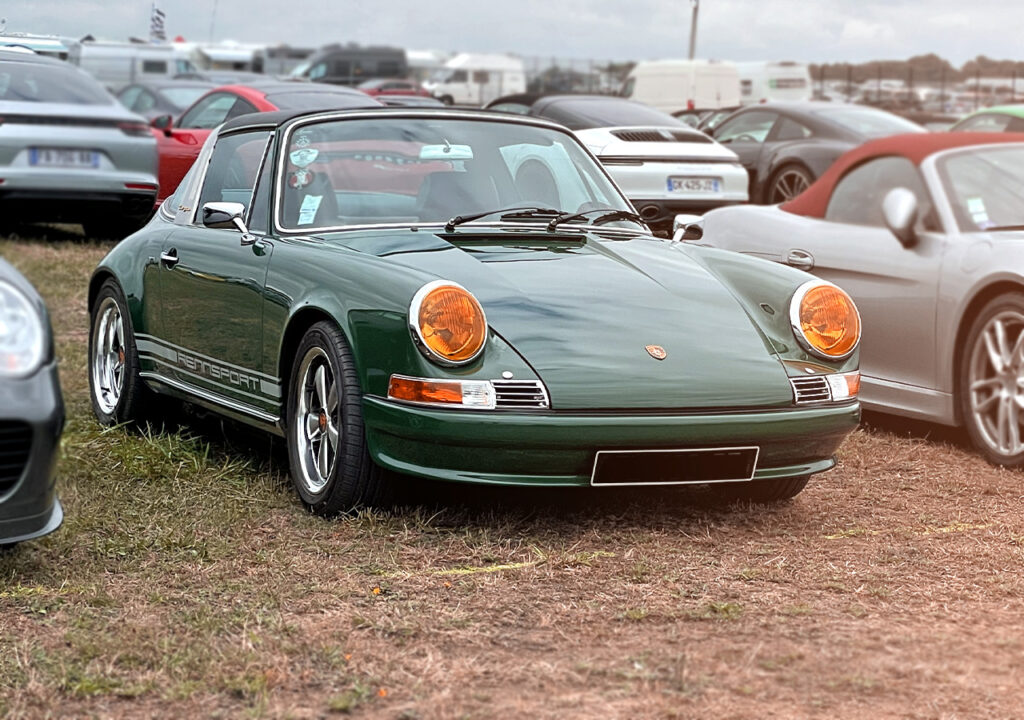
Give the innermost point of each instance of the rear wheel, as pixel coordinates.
(787, 183)
(115, 387)
(761, 491)
(331, 466)
(447, 99)
(991, 382)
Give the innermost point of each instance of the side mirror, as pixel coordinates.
(162, 122)
(687, 227)
(225, 216)
(899, 210)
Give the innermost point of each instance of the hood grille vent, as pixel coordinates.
(811, 389)
(661, 135)
(520, 395)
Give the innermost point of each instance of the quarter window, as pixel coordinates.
(748, 127)
(231, 176)
(857, 198)
(154, 66)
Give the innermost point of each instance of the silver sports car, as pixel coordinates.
(926, 232)
(69, 151)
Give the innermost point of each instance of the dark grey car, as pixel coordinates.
(69, 152)
(31, 413)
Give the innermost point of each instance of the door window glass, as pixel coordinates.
(748, 127)
(129, 95)
(213, 110)
(791, 130)
(987, 122)
(231, 175)
(857, 198)
(318, 71)
(459, 76)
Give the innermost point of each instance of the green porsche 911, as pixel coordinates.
(458, 295)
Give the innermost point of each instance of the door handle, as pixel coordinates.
(170, 258)
(800, 259)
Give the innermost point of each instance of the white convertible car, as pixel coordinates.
(662, 164)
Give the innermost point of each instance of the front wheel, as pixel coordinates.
(330, 463)
(761, 491)
(115, 386)
(990, 386)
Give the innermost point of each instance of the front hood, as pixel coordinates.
(675, 142)
(582, 307)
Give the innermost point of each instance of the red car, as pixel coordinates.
(179, 143)
(387, 87)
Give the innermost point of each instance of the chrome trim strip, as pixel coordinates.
(296, 123)
(755, 448)
(417, 334)
(798, 333)
(210, 397)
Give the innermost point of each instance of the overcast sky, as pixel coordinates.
(807, 30)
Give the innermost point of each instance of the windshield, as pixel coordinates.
(985, 187)
(870, 123)
(300, 70)
(583, 114)
(380, 171)
(182, 97)
(441, 76)
(35, 82)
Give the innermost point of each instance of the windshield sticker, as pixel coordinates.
(446, 152)
(310, 204)
(976, 208)
(300, 179)
(304, 157)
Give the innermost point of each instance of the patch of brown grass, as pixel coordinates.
(188, 581)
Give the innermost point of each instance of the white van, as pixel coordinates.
(675, 86)
(476, 79)
(768, 81)
(117, 64)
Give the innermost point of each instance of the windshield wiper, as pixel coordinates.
(512, 212)
(1007, 228)
(610, 214)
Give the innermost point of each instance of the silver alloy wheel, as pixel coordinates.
(317, 431)
(108, 356)
(788, 185)
(996, 382)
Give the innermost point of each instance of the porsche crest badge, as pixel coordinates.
(656, 351)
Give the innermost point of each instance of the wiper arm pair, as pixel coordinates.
(610, 214)
(512, 212)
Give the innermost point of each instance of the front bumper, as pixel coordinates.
(558, 449)
(28, 502)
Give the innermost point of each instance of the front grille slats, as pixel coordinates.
(520, 394)
(811, 389)
(15, 445)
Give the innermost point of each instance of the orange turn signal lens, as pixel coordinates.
(422, 391)
(844, 386)
(826, 319)
(449, 322)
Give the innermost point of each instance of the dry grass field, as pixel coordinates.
(187, 581)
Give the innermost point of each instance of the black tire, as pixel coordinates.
(1007, 309)
(352, 480)
(132, 396)
(447, 99)
(761, 491)
(789, 175)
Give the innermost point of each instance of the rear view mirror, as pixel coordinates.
(224, 215)
(687, 227)
(162, 122)
(899, 210)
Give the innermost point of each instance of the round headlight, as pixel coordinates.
(825, 320)
(22, 343)
(448, 323)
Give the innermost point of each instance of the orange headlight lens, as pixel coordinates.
(827, 319)
(450, 322)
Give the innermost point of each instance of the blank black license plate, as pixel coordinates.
(674, 467)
